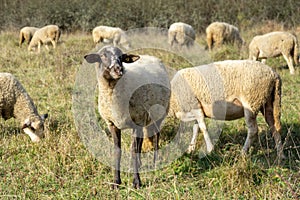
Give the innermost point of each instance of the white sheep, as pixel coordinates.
(218, 33)
(15, 102)
(26, 34)
(275, 44)
(228, 90)
(113, 35)
(132, 96)
(46, 34)
(181, 34)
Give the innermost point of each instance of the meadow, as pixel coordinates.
(61, 167)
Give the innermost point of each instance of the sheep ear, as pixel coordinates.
(92, 58)
(44, 116)
(129, 58)
(26, 124)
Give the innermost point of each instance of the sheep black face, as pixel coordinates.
(111, 59)
(34, 127)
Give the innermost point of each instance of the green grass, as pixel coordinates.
(60, 166)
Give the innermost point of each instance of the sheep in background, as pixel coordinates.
(218, 33)
(26, 34)
(181, 34)
(228, 90)
(49, 33)
(275, 44)
(15, 102)
(132, 96)
(113, 35)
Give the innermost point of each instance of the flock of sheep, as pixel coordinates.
(224, 90)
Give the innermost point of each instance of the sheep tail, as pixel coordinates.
(277, 103)
(296, 51)
(209, 39)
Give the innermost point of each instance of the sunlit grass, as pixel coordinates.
(60, 167)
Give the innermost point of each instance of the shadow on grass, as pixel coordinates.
(227, 152)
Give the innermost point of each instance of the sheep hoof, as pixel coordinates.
(191, 148)
(115, 185)
(136, 184)
(209, 148)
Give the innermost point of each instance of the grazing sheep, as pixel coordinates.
(218, 33)
(275, 44)
(49, 33)
(228, 90)
(15, 102)
(132, 96)
(26, 34)
(181, 34)
(113, 35)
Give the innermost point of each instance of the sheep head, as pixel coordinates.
(34, 127)
(110, 61)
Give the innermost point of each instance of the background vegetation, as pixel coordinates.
(84, 15)
(60, 167)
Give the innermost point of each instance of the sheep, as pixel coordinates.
(113, 35)
(16, 103)
(228, 90)
(49, 33)
(274, 44)
(26, 34)
(218, 33)
(132, 96)
(181, 34)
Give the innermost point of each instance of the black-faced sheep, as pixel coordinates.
(15, 102)
(275, 44)
(134, 95)
(26, 34)
(46, 34)
(218, 33)
(228, 90)
(113, 35)
(181, 34)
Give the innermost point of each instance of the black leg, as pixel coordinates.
(116, 134)
(136, 147)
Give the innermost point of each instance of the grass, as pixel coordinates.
(61, 167)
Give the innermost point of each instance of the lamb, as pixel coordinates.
(49, 33)
(218, 33)
(26, 34)
(181, 34)
(132, 96)
(274, 44)
(228, 90)
(113, 35)
(15, 102)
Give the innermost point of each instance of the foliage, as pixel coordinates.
(73, 15)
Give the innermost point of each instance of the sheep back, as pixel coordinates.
(140, 97)
(26, 34)
(181, 32)
(220, 32)
(273, 44)
(249, 81)
(45, 34)
(14, 100)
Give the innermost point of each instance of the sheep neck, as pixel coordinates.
(24, 106)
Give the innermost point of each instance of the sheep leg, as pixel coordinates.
(289, 61)
(53, 43)
(201, 124)
(136, 147)
(39, 46)
(267, 111)
(251, 123)
(116, 134)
